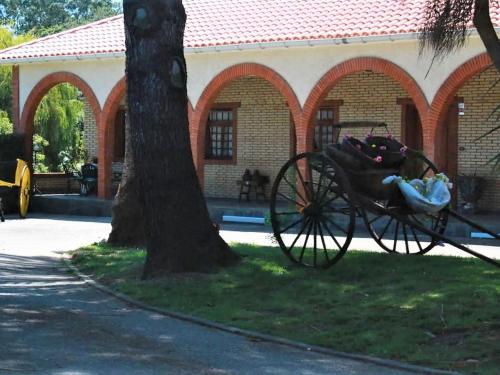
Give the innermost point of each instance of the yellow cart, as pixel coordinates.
(21, 182)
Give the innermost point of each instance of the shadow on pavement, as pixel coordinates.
(51, 323)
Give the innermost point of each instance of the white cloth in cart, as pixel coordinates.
(429, 195)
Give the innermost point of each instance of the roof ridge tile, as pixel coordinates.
(213, 23)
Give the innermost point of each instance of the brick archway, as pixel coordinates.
(346, 68)
(37, 94)
(447, 92)
(209, 95)
(106, 135)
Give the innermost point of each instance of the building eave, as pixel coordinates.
(232, 48)
(48, 59)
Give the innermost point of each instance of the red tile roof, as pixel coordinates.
(217, 23)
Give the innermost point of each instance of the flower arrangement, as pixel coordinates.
(388, 148)
(378, 152)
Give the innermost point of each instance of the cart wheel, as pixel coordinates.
(397, 237)
(24, 193)
(311, 210)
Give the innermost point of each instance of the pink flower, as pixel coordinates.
(383, 148)
(378, 159)
(403, 149)
(389, 136)
(369, 135)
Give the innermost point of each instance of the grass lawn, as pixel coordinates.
(434, 311)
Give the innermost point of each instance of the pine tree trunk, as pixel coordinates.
(128, 224)
(180, 235)
(486, 30)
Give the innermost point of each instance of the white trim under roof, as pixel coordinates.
(227, 48)
(90, 56)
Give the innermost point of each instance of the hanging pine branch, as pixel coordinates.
(447, 24)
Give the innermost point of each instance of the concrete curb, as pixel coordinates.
(255, 336)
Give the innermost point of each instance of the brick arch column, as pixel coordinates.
(39, 91)
(200, 115)
(105, 137)
(346, 68)
(446, 94)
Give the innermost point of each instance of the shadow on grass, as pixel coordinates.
(435, 311)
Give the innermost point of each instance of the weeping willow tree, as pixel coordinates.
(446, 28)
(58, 121)
(7, 39)
(5, 123)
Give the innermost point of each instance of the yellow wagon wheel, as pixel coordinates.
(24, 193)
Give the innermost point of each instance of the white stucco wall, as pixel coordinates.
(100, 75)
(301, 67)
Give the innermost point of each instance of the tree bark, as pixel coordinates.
(128, 223)
(486, 30)
(180, 236)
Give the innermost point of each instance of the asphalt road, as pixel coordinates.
(52, 323)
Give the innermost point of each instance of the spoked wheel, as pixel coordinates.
(312, 213)
(395, 236)
(24, 193)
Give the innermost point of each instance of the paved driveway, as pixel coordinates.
(51, 323)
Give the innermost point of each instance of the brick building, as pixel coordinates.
(267, 79)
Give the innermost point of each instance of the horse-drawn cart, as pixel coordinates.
(317, 197)
(20, 182)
